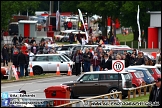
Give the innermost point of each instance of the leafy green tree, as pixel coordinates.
(8, 8)
(128, 16)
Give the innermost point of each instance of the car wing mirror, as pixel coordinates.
(81, 81)
(61, 61)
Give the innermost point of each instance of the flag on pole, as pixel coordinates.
(57, 19)
(81, 18)
(139, 30)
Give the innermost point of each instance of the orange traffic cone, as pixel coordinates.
(69, 70)
(31, 70)
(58, 70)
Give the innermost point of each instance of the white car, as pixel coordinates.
(47, 63)
(64, 35)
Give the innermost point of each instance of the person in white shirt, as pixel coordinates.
(31, 55)
(83, 41)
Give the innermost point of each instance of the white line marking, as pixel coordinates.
(36, 82)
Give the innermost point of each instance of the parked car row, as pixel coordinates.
(102, 82)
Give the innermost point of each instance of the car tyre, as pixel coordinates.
(37, 70)
(112, 90)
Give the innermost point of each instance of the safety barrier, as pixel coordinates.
(92, 98)
(133, 90)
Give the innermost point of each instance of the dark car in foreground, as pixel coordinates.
(100, 82)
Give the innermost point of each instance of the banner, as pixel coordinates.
(81, 18)
(139, 30)
(57, 19)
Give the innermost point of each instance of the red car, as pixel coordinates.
(136, 78)
(154, 71)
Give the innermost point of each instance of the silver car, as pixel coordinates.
(47, 63)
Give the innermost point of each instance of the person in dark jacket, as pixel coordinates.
(22, 61)
(126, 60)
(14, 40)
(77, 59)
(27, 64)
(155, 94)
(96, 61)
(71, 38)
(106, 64)
(87, 56)
(21, 39)
(32, 40)
(5, 55)
(132, 59)
(40, 48)
(14, 59)
(139, 60)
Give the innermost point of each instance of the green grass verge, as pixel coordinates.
(29, 78)
(138, 99)
(124, 38)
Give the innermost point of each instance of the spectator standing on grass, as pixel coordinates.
(31, 55)
(77, 58)
(32, 40)
(5, 55)
(14, 58)
(40, 48)
(34, 49)
(79, 37)
(46, 50)
(14, 40)
(71, 38)
(87, 56)
(155, 94)
(27, 63)
(139, 60)
(20, 39)
(9, 53)
(22, 61)
(106, 64)
(95, 62)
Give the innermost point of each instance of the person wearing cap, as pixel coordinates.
(155, 94)
(139, 60)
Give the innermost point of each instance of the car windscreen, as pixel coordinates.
(137, 75)
(148, 73)
(150, 70)
(158, 70)
(68, 59)
(127, 76)
(141, 74)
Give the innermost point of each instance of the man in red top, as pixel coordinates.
(117, 41)
(70, 25)
(23, 48)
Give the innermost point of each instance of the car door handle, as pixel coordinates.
(49, 63)
(96, 84)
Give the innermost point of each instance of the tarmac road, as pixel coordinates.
(36, 86)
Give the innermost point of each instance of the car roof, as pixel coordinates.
(158, 65)
(143, 66)
(46, 54)
(137, 68)
(121, 48)
(104, 72)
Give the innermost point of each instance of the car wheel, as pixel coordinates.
(112, 91)
(37, 70)
(134, 86)
(72, 95)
